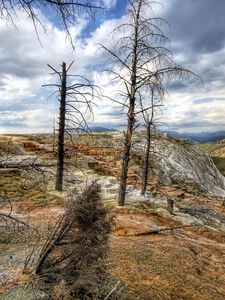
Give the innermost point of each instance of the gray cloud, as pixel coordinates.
(177, 86)
(207, 100)
(198, 24)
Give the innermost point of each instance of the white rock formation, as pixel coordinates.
(178, 162)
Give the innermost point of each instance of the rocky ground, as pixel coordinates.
(157, 253)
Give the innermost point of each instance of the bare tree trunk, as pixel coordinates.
(146, 161)
(131, 115)
(60, 152)
(70, 116)
(53, 139)
(126, 157)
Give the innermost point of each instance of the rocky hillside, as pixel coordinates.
(178, 162)
(173, 161)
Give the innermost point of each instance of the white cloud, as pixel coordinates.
(24, 105)
(110, 3)
(24, 69)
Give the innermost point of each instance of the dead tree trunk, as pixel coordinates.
(126, 156)
(71, 117)
(131, 114)
(60, 152)
(146, 161)
(149, 119)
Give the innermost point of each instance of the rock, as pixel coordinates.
(16, 161)
(163, 213)
(180, 163)
(130, 188)
(187, 219)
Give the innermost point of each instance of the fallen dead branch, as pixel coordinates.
(157, 231)
(113, 290)
(10, 224)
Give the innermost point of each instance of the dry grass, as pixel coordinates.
(188, 264)
(21, 186)
(166, 266)
(9, 147)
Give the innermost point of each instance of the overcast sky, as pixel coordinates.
(197, 34)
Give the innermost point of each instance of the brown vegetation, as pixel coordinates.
(78, 246)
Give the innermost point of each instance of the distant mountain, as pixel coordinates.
(200, 137)
(99, 129)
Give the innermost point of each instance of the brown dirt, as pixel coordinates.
(186, 263)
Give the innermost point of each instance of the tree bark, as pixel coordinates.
(60, 152)
(146, 161)
(126, 157)
(131, 114)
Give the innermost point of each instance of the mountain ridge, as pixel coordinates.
(200, 137)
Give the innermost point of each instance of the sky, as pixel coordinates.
(197, 35)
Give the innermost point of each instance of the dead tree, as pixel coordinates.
(61, 133)
(75, 97)
(66, 12)
(78, 246)
(139, 57)
(149, 117)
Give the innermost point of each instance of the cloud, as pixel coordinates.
(208, 100)
(110, 3)
(26, 121)
(198, 24)
(197, 40)
(194, 115)
(24, 70)
(197, 35)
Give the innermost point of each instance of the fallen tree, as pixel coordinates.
(74, 255)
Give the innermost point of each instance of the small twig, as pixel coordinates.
(112, 291)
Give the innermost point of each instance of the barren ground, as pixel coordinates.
(185, 263)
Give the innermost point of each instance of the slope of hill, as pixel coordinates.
(175, 161)
(156, 254)
(216, 148)
(217, 151)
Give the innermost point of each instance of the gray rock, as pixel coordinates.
(179, 163)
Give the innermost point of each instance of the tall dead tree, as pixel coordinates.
(150, 123)
(138, 58)
(75, 97)
(151, 115)
(61, 133)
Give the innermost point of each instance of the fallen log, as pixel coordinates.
(157, 231)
